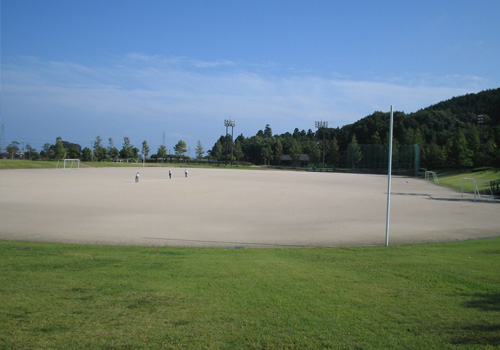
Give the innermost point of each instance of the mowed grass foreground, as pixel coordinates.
(436, 296)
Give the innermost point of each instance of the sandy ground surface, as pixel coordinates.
(233, 208)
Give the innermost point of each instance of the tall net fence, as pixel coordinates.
(375, 159)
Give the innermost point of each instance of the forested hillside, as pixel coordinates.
(462, 132)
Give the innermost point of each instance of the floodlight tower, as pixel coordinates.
(232, 124)
(480, 122)
(322, 125)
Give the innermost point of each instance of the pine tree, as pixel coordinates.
(180, 148)
(199, 150)
(354, 151)
(459, 150)
(162, 153)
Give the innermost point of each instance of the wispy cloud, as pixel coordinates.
(140, 94)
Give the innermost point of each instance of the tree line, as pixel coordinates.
(462, 132)
(99, 151)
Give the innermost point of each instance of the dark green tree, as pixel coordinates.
(31, 153)
(354, 153)
(180, 148)
(238, 150)
(100, 153)
(295, 150)
(86, 154)
(375, 139)
(113, 152)
(333, 152)
(433, 156)
(145, 149)
(267, 153)
(199, 150)
(60, 151)
(13, 148)
(127, 151)
(278, 151)
(460, 153)
(268, 133)
(162, 153)
(313, 150)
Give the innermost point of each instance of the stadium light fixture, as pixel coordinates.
(480, 122)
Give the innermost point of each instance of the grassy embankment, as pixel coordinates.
(453, 178)
(436, 296)
(26, 164)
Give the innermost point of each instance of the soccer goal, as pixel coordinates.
(429, 174)
(482, 188)
(69, 163)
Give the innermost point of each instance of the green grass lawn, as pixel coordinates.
(435, 296)
(37, 164)
(26, 164)
(453, 178)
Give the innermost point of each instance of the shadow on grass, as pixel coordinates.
(485, 302)
(481, 334)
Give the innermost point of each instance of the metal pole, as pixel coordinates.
(232, 136)
(321, 125)
(226, 124)
(324, 146)
(389, 173)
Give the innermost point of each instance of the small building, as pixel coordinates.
(301, 161)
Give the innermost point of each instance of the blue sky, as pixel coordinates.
(86, 68)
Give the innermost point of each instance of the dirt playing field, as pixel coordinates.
(233, 208)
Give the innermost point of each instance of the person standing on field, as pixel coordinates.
(186, 173)
(137, 177)
(169, 174)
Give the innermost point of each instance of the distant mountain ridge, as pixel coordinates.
(484, 102)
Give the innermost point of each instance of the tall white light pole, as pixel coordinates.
(389, 175)
(322, 125)
(232, 124)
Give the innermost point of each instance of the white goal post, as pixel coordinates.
(428, 175)
(69, 163)
(481, 191)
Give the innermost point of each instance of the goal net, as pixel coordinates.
(481, 188)
(431, 175)
(68, 163)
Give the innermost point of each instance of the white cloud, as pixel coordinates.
(142, 94)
